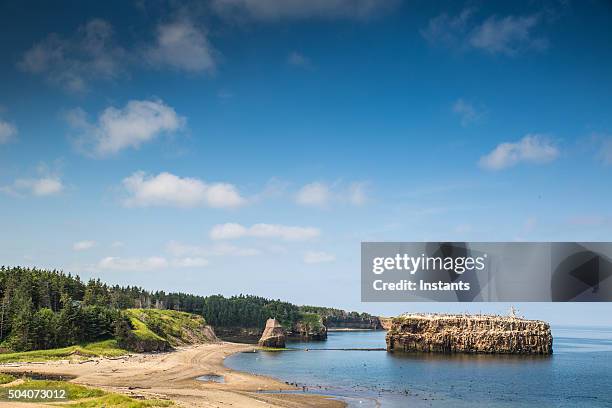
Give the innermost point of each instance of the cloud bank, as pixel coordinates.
(532, 148)
(322, 195)
(168, 190)
(138, 122)
(181, 45)
(38, 187)
(509, 35)
(91, 53)
(148, 264)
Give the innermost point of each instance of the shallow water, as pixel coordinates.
(578, 374)
(211, 378)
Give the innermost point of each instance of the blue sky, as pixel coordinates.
(242, 146)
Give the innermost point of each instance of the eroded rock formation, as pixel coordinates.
(386, 322)
(273, 335)
(492, 334)
(311, 327)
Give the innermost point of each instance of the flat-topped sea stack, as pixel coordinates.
(491, 334)
(273, 335)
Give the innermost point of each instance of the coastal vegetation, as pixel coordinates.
(48, 314)
(338, 318)
(77, 396)
(105, 348)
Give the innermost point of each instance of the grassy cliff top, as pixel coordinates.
(177, 328)
(149, 327)
(473, 317)
(105, 348)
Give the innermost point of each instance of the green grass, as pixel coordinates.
(141, 330)
(119, 401)
(106, 348)
(93, 397)
(73, 391)
(150, 326)
(176, 327)
(6, 378)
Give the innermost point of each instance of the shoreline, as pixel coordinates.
(172, 376)
(349, 329)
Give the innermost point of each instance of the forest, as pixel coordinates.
(42, 309)
(338, 317)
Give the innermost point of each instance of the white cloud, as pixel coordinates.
(299, 60)
(152, 263)
(183, 46)
(313, 257)
(91, 53)
(532, 148)
(228, 231)
(44, 186)
(447, 30)
(466, 111)
(318, 194)
(273, 10)
(284, 232)
(8, 131)
(179, 249)
(314, 195)
(190, 262)
(47, 183)
(117, 129)
(507, 35)
(133, 264)
(166, 189)
(83, 245)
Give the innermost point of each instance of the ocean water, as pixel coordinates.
(578, 374)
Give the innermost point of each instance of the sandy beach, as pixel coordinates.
(173, 376)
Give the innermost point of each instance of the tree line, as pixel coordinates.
(42, 309)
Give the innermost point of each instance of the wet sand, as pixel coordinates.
(173, 376)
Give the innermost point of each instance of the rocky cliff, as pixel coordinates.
(468, 334)
(161, 330)
(273, 335)
(386, 322)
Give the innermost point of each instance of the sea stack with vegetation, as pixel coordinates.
(491, 334)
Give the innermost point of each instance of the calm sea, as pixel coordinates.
(578, 374)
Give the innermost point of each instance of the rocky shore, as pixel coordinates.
(492, 334)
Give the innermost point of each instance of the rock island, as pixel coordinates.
(462, 333)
